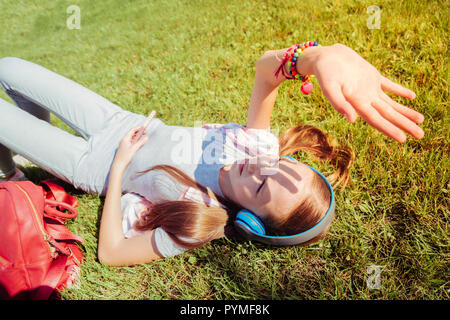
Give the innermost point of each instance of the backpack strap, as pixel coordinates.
(58, 211)
(56, 192)
(52, 279)
(60, 232)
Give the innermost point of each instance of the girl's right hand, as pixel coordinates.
(128, 147)
(353, 85)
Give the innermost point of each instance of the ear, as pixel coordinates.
(250, 221)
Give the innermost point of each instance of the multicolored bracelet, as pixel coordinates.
(291, 57)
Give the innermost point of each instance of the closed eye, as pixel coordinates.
(261, 185)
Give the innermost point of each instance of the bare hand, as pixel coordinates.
(127, 148)
(353, 85)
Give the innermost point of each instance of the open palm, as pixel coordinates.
(353, 85)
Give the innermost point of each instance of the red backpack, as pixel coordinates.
(38, 253)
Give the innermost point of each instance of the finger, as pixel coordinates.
(134, 129)
(333, 92)
(389, 85)
(136, 132)
(143, 140)
(397, 119)
(132, 132)
(373, 118)
(137, 145)
(415, 116)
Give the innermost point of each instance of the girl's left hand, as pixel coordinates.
(353, 85)
(127, 148)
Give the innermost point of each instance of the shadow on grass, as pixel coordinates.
(36, 175)
(234, 269)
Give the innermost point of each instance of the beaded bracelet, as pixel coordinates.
(291, 57)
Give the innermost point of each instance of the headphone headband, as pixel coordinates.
(295, 239)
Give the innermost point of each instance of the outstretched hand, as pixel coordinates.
(353, 85)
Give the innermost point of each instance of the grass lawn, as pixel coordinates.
(195, 60)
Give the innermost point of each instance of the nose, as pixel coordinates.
(252, 167)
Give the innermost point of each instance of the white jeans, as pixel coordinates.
(38, 91)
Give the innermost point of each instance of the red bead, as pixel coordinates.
(311, 43)
(307, 87)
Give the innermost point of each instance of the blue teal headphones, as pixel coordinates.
(252, 228)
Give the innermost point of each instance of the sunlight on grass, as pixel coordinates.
(194, 60)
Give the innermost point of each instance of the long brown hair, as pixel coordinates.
(200, 223)
(187, 219)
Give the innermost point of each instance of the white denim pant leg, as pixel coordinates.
(49, 147)
(34, 89)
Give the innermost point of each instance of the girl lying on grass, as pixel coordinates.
(184, 186)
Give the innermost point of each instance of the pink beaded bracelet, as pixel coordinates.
(291, 57)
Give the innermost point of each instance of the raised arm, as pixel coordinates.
(265, 89)
(351, 84)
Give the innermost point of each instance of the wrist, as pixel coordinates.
(307, 61)
(118, 168)
(268, 63)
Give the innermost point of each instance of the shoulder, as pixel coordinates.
(243, 131)
(253, 141)
(131, 199)
(165, 245)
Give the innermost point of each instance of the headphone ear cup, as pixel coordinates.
(250, 221)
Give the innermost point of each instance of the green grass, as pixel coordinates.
(194, 60)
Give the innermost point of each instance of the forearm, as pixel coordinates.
(262, 100)
(111, 221)
(266, 84)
